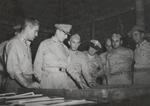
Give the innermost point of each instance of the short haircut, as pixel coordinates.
(30, 20)
(24, 23)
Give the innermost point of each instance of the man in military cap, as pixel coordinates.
(78, 67)
(119, 62)
(94, 62)
(141, 56)
(51, 61)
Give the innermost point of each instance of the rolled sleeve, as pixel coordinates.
(13, 61)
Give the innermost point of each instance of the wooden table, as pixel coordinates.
(135, 95)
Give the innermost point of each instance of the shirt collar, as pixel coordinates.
(74, 51)
(142, 43)
(26, 42)
(56, 40)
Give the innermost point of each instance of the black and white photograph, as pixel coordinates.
(74, 53)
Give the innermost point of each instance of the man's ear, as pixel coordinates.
(69, 42)
(121, 42)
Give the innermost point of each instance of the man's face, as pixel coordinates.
(61, 36)
(92, 51)
(108, 45)
(74, 44)
(136, 36)
(116, 42)
(32, 31)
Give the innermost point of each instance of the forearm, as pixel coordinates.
(22, 80)
(78, 79)
(75, 76)
(86, 73)
(87, 77)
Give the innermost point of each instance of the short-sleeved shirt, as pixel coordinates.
(18, 57)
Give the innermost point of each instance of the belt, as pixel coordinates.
(52, 69)
(62, 69)
(48, 71)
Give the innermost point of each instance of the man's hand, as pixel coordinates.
(34, 85)
(37, 78)
(92, 84)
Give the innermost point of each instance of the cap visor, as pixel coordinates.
(64, 31)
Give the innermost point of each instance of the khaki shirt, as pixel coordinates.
(142, 55)
(18, 57)
(50, 65)
(50, 54)
(94, 65)
(78, 68)
(119, 60)
(103, 58)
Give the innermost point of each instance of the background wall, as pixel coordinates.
(90, 18)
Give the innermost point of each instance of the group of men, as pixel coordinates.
(124, 66)
(58, 67)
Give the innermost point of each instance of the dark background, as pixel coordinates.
(90, 18)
